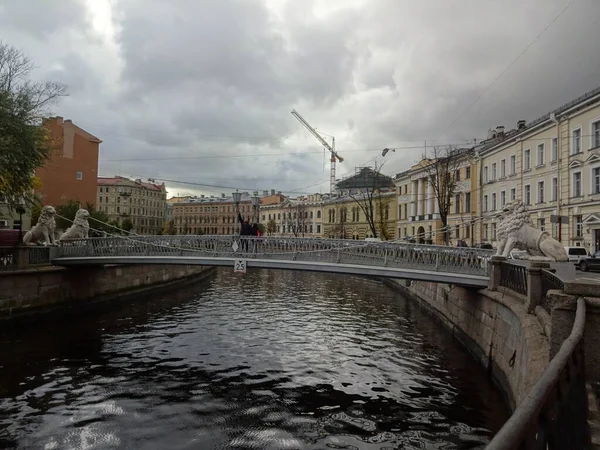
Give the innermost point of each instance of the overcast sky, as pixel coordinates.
(201, 91)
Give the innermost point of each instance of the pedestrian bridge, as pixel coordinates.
(453, 265)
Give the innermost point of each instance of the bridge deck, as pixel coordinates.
(461, 266)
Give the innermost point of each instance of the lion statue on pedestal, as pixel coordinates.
(516, 231)
(44, 229)
(80, 228)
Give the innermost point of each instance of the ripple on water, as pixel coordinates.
(277, 360)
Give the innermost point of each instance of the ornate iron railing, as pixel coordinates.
(514, 277)
(8, 257)
(383, 254)
(549, 281)
(554, 415)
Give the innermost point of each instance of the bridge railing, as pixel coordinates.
(21, 257)
(554, 415)
(384, 254)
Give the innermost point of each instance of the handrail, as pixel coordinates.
(525, 429)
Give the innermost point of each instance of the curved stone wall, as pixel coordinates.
(494, 327)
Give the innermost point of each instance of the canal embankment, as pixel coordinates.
(496, 329)
(29, 290)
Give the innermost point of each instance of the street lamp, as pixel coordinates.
(21, 211)
(237, 196)
(256, 206)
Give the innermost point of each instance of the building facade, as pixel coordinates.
(419, 219)
(145, 204)
(72, 169)
(299, 217)
(345, 217)
(553, 165)
(211, 214)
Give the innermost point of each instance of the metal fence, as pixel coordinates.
(514, 277)
(383, 254)
(33, 256)
(554, 415)
(549, 281)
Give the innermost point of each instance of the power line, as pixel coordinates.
(509, 66)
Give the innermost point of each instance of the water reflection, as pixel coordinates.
(265, 360)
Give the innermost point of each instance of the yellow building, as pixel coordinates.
(418, 210)
(347, 216)
(553, 165)
(145, 204)
(299, 217)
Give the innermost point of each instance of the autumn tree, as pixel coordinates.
(441, 168)
(271, 226)
(25, 144)
(296, 219)
(366, 188)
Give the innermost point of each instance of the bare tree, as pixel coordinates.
(365, 189)
(383, 212)
(271, 226)
(441, 168)
(296, 219)
(24, 144)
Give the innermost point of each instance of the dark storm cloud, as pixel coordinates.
(184, 79)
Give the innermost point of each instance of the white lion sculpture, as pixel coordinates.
(516, 231)
(44, 229)
(80, 228)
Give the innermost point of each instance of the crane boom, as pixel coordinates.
(325, 144)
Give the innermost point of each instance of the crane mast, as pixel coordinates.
(331, 148)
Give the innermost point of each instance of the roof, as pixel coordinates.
(114, 181)
(366, 178)
(490, 143)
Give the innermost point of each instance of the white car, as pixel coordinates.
(576, 254)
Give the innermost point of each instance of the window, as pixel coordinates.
(540, 155)
(577, 184)
(493, 232)
(467, 173)
(541, 192)
(527, 195)
(502, 198)
(457, 174)
(596, 180)
(554, 194)
(485, 174)
(457, 204)
(578, 226)
(485, 203)
(79, 176)
(513, 194)
(554, 155)
(494, 201)
(503, 168)
(493, 171)
(485, 232)
(467, 232)
(541, 224)
(468, 202)
(596, 134)
(513, 164)
(527, 159)
(457, 231)
(576, 145)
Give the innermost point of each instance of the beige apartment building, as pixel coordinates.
(144, 203)
(553, 165)
(298, 217)
(418, 209)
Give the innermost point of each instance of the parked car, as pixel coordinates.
(591, 263)
(576, 254)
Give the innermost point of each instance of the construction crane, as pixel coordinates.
(331, 149)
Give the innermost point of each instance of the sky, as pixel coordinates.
(198, 93)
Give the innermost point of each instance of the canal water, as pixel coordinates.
(265, 360)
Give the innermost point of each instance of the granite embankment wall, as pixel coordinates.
(494, 327)
(44, 288)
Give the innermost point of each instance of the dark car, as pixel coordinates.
(591, 263)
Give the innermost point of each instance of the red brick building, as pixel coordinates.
(71, 173)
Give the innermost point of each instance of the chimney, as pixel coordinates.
(265, 193)
(521, 124)
(491, 134)
(500, 130)
(272, 191)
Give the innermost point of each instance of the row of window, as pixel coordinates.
(355, 214)
(210, 209)
(138, 191)
(134, 201)
(132, 211)
(302, 214)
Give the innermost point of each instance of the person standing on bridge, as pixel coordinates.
(246, 230)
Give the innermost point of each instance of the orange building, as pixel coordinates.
(71, 172)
